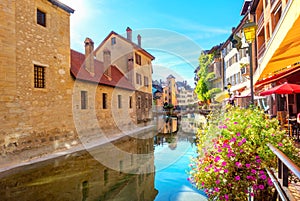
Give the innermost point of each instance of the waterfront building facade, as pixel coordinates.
(135, 63)
(52, 97)
(36, 87)
(276, 49)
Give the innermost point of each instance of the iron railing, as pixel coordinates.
(281, 181)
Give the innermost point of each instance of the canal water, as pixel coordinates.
(173, 154)
(150, 169)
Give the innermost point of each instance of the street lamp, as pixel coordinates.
(229, 94)
(249, 29)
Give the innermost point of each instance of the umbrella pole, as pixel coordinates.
(288, 113)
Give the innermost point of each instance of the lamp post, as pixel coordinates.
(229, 94)
(249, 30)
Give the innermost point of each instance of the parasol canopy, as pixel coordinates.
(285, 88)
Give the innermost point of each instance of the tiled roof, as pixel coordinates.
(118, 79)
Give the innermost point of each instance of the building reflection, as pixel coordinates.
(171, 139)
(82, 176)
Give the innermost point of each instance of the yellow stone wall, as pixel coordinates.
(39, 121)
(33, 118)
(95, 121)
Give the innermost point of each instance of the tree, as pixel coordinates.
(203, 88)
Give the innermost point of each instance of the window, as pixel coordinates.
(130, 101)
(146, 102)
(105, 174)
(138, 59)
(119, 101)
(138, 78)
(121, 166)
(113, 40)
(146, 82)
(104, 100)
(84, 100)
(39, 76)
(41, 17)
(139, 103)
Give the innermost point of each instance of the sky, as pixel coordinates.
(174, 32)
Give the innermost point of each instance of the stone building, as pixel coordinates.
(170, 91)
(35, 84)
(102, 95)
(53, 98)
(135, 63)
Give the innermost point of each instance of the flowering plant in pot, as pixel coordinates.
(233, 155)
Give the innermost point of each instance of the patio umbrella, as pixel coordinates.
(285, 88)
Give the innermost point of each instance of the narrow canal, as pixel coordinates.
(152, 168)
(172, 158)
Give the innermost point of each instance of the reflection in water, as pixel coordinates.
(173, 153)
(79, 176)
(87, 176)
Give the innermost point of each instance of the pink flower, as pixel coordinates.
(217, 181)
(238, 164)
(216, 170)
(241, 151)
(261, 187)
(202, 184)
(217, 189)
(263, 177)
(270, 183)
(253, 171)
(258, 160)
(226, 196)
(225, 170)
(249, 177)
(217, 158)
(232, 139)
(248, 165)
(238, 134)
(237, 178)
(235, 122)
(224, 163)
(280, 144)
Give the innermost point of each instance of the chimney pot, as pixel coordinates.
(107, 62)
(129, 34)
(89, 55)
(139, 38)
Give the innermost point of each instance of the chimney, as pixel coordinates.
(232, 29)
(89, 55)
(129, 34)
(107, 62)
(130, 70)
(139, 39)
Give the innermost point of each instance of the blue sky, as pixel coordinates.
(174, 32)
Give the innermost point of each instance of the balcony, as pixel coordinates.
(261, 50)
(260, 22)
